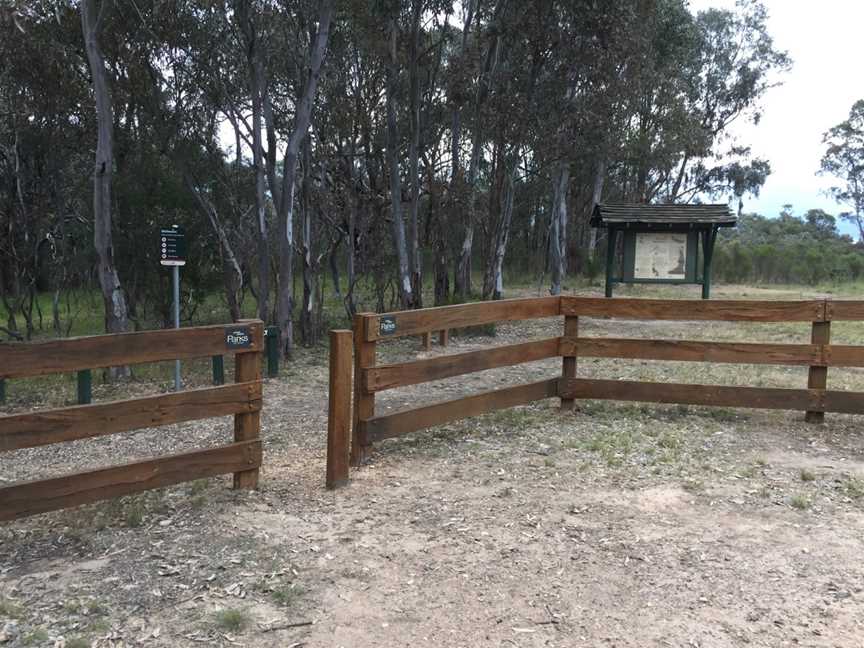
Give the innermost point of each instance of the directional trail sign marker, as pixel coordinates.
(172, 246)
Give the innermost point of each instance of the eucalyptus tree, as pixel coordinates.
(844, 160)
(94, 15)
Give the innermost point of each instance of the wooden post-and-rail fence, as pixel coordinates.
(242, 399)
(354, 428)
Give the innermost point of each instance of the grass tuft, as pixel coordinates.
(232, 619)
(800, 502)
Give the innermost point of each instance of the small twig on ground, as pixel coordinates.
(285, 626)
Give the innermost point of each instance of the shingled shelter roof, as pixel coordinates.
(660, 215)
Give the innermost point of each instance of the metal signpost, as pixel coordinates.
(172, 252)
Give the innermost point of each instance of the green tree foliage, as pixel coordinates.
(788, 249)
(452, 139)
(844, 159)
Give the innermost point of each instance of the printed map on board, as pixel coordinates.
(660, 255)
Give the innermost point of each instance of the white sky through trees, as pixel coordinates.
(824, 40)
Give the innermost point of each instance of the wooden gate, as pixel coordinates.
(360, 427)
(243, 399)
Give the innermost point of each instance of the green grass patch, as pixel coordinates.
(232, 619)
(10, 609)
(800, 502)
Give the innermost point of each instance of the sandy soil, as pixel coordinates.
(620, 525)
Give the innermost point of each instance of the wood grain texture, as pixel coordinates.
(364, 400)
(433, 319)
(695, 309)
(339, 409)
(695, 351)
(390, 376)
(844, 355)
(845, 310)
(396, 424)
(28, 498)
(817, 375)
(714, 395)
(247, 425)
(568, 349)
(18, 360)
(70, 423)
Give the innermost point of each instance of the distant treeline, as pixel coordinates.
(788, 249)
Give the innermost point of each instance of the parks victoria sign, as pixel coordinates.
(238, 338)
(387, 325)
(172, 246)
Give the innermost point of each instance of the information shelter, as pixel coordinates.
(661, 243)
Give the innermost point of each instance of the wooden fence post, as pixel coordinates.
(339, 409)
(427, 341)
(247, 426)
(817, 376)
(364, 401)
(443, 337)
(568, 363)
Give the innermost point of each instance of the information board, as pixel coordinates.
(660, 255)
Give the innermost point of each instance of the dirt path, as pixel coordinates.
(620, 525)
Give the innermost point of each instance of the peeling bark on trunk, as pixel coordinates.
(558, 226)
(302, 117)
(307, 325)
(495, 281)
(116, 311)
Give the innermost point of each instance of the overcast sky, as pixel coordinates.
(824, 40)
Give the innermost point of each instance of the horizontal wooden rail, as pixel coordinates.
(84, 421)
(697, 351)
(28, 498)
(72, 354)
(713, 395)
(390, 325)
(845, 310)
(389, 376)
(695, 309)
(386, 426)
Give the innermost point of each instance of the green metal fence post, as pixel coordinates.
(271, 334)
(218, 370)
(85, 387)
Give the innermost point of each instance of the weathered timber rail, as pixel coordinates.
(354, 429)
(242, 399)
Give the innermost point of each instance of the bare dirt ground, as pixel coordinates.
(620, 525)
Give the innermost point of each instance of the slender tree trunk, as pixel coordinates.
(558, 226)
(414, 258)
(596, 198)
(233, 275)
(406, 297)
(302, 118)
(494, 283)
(257, 89)
(307, 333)
(116, 312)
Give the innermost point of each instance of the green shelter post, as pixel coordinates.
(611, 239)
(218, 369)
(709, 237)
(85, 387)
(271, 335)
